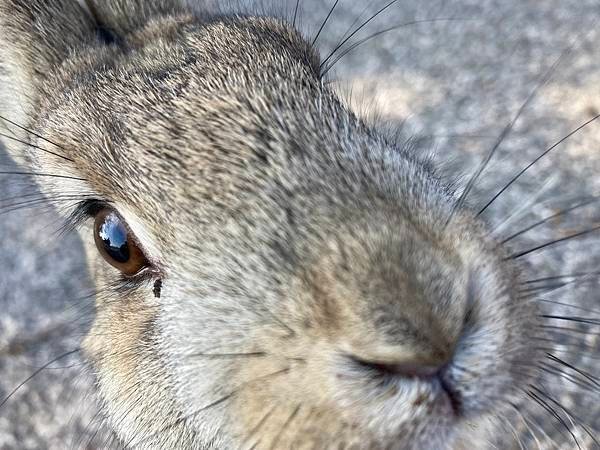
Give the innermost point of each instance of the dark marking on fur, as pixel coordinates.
(157, 288)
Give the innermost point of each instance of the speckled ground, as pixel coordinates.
(454, 84)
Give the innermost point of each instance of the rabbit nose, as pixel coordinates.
(419, 346)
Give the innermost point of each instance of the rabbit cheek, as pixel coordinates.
(122, 347)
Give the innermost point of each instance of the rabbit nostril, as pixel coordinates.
(403, 369)
(451, 392)
(430, 373)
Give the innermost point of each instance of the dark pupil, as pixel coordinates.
(114, 236)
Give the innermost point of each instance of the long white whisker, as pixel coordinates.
(527, 206)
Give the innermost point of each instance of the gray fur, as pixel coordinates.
(262, 199)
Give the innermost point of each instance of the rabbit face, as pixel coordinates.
(271, 271)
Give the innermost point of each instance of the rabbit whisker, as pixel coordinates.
(550, 218)
(351, 35)
(381, 32)
(296, 13)
(580, 422)
(34, 374)
(217, 402)
(37, 147)
(31, 132)
(260, 424)
(324, 23)
(580, 308)
(40, 174)
(553, 242)
(285, 426)
(506, 132)
(553, 412)
(526, 168)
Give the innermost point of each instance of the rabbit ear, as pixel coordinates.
(35, 37)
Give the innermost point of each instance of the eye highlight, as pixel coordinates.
(116, 244)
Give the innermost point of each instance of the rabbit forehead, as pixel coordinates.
(141, 115)
(169, 131)
(188, 146)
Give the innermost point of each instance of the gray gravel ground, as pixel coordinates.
(454, 85)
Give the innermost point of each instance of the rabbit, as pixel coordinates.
(273, 270)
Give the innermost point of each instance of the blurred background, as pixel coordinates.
(452, 85)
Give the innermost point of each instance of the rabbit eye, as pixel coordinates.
(116, 243)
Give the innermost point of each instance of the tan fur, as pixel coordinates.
(293, 241)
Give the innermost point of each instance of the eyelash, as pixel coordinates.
(84, 211)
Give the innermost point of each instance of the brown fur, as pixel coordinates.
(294, 242)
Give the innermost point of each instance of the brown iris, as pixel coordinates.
(116, 243)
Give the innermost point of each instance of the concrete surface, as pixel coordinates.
(454, 85)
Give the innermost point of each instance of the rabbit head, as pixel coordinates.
(271, 270)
